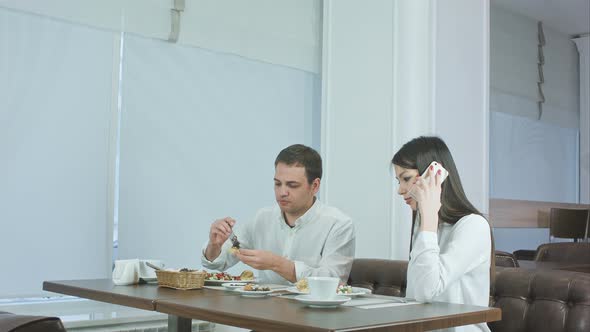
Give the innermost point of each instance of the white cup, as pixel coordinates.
(146, 272)
(126, 272)
(323, 288)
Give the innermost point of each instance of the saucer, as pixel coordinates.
(319, 303)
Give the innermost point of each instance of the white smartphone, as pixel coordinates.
(435, 168)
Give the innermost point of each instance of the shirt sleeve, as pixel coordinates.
(431, 271)
(337, 255)
(224, 261)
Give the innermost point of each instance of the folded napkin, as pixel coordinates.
(126, 272)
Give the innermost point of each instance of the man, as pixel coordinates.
(297, 238)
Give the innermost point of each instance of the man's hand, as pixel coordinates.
(266, 260)
(218, 234)
(259, 259)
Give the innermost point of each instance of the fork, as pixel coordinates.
(234, 240)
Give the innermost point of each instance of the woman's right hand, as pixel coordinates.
(426, 191)
(220, 231)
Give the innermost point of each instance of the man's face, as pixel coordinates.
(292, 191)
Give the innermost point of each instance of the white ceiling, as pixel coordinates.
(571, 17)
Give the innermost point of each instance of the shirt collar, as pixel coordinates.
(306, 217)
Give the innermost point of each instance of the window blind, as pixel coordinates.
(55, 88)
(199, 134)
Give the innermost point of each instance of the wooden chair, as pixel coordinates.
(568, 223)
(505, 259)
(525, 254)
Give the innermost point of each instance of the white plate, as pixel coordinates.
(234, 285)
(222, 282)
(356, 291)
(317, 303)
(253, 293)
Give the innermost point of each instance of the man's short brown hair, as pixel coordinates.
(304, 156)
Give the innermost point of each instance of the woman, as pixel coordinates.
(451, 245)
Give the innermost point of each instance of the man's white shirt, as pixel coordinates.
(321, 243)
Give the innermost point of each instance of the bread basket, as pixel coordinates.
(181, 280)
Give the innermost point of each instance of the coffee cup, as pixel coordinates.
(323, 288)
(126, 272)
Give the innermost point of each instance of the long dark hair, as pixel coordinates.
(418, 154)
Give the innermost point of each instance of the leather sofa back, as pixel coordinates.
(23, 323)
(542, 300)
(382, 276)
(565, 252)
(531, 300)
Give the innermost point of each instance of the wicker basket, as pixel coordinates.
(181, 280)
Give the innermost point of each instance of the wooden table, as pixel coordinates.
(272, 313)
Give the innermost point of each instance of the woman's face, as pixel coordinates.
(406, 178)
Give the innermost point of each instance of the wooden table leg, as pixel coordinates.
(179, 324)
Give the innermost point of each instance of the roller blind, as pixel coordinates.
(55, 88)
(532, 160)
(199, 134)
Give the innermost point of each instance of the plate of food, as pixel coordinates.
(234, 285)
(253, 290)
(352, 291)
(220, 278)
(302, 288)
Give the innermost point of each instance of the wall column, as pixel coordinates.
(376, 94)
(583, 44)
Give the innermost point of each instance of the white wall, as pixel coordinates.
(402, 70)
(285, 32)
(514, 73)
(461, 91)
(356, 118)
(583, 44)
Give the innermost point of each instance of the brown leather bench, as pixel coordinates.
(565, 252)
(531, 300)
(23, 323)
(542, 300)
(382, 276)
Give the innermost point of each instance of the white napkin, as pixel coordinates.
(126, 272)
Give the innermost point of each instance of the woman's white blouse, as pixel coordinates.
(452, 265)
